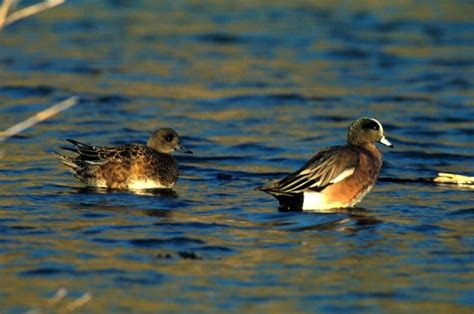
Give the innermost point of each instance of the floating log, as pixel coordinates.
(442, 178)
(451, 178)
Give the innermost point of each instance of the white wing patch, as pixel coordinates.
(343, 175)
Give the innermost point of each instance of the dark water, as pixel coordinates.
(254, 88)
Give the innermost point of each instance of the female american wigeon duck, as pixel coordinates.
(338, 176)
(132, 166)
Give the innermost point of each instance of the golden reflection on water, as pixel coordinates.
(382, 259)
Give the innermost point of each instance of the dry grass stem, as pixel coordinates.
(6, 19)
(40, 116)
(6, 6)
(79, 302)
(58, 296)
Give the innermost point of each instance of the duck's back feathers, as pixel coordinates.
(132, 166)
(103, 154)
(327, 167)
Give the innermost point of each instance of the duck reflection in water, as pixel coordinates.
(342, 219)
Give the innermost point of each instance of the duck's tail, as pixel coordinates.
(288, 201)
(68, 161)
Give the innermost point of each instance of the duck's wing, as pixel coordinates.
(327, 167)
(102, 154)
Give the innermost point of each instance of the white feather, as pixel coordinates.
(317, 202)
(146, 184)
(314, 201)
(343, 175)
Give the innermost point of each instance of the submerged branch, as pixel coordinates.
(442, 178)
(451, 178)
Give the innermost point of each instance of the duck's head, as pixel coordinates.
(166, 140)
(366, 131)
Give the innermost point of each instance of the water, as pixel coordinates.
(254, 88)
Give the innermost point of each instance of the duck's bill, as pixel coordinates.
(386, 142)
(183, 149)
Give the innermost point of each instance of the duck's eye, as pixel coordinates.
(371, 125)
(169, 137)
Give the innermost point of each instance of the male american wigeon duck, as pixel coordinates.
(338, 176)
(132, 166)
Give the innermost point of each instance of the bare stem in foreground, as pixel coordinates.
(6, 5)
(86, 297)
(23, 13)
(40, 116)
(58, 296)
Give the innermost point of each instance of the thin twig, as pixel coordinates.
(40, 116)
(58, 296)
(7, 5)
(4, 8)
(34, 9)
(86, 297)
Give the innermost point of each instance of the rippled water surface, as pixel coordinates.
(254, 88)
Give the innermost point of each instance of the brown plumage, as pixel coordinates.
(339, 176)
(132, 166)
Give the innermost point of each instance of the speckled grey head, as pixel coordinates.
(366, 130)
(166, 140)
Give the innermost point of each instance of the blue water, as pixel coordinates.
(254, 89)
